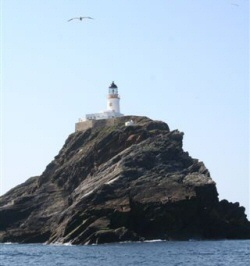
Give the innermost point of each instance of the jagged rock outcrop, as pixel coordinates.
(120, 183)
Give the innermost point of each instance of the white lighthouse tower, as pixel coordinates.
(113, 102)
(113, 106)
(106, 117)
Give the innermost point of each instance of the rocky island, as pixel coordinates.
(120, 183)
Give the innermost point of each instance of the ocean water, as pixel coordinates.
(155, 253)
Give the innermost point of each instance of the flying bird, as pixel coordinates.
(80, 18)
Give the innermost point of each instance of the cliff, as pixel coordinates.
(120, 183)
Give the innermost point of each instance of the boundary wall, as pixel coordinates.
(83, 125)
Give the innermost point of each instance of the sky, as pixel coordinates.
(182, 62)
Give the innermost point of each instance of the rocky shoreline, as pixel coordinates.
(119, 183)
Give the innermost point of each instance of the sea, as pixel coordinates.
(157, 253)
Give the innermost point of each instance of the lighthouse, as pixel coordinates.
(104, 118)
(113, 102)
(113, 106)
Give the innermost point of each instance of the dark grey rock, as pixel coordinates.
(117, 184)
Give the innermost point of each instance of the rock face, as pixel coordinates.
(120, 183)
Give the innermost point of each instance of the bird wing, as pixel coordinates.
(72, 19)
(80, 18)
(85, 18)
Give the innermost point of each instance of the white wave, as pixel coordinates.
(154, 240)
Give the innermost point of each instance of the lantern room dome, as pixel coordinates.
(113, 86)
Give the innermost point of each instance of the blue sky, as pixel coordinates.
(182, 62)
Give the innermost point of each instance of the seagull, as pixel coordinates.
(80, 18)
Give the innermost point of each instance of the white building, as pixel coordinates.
(113, 106)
